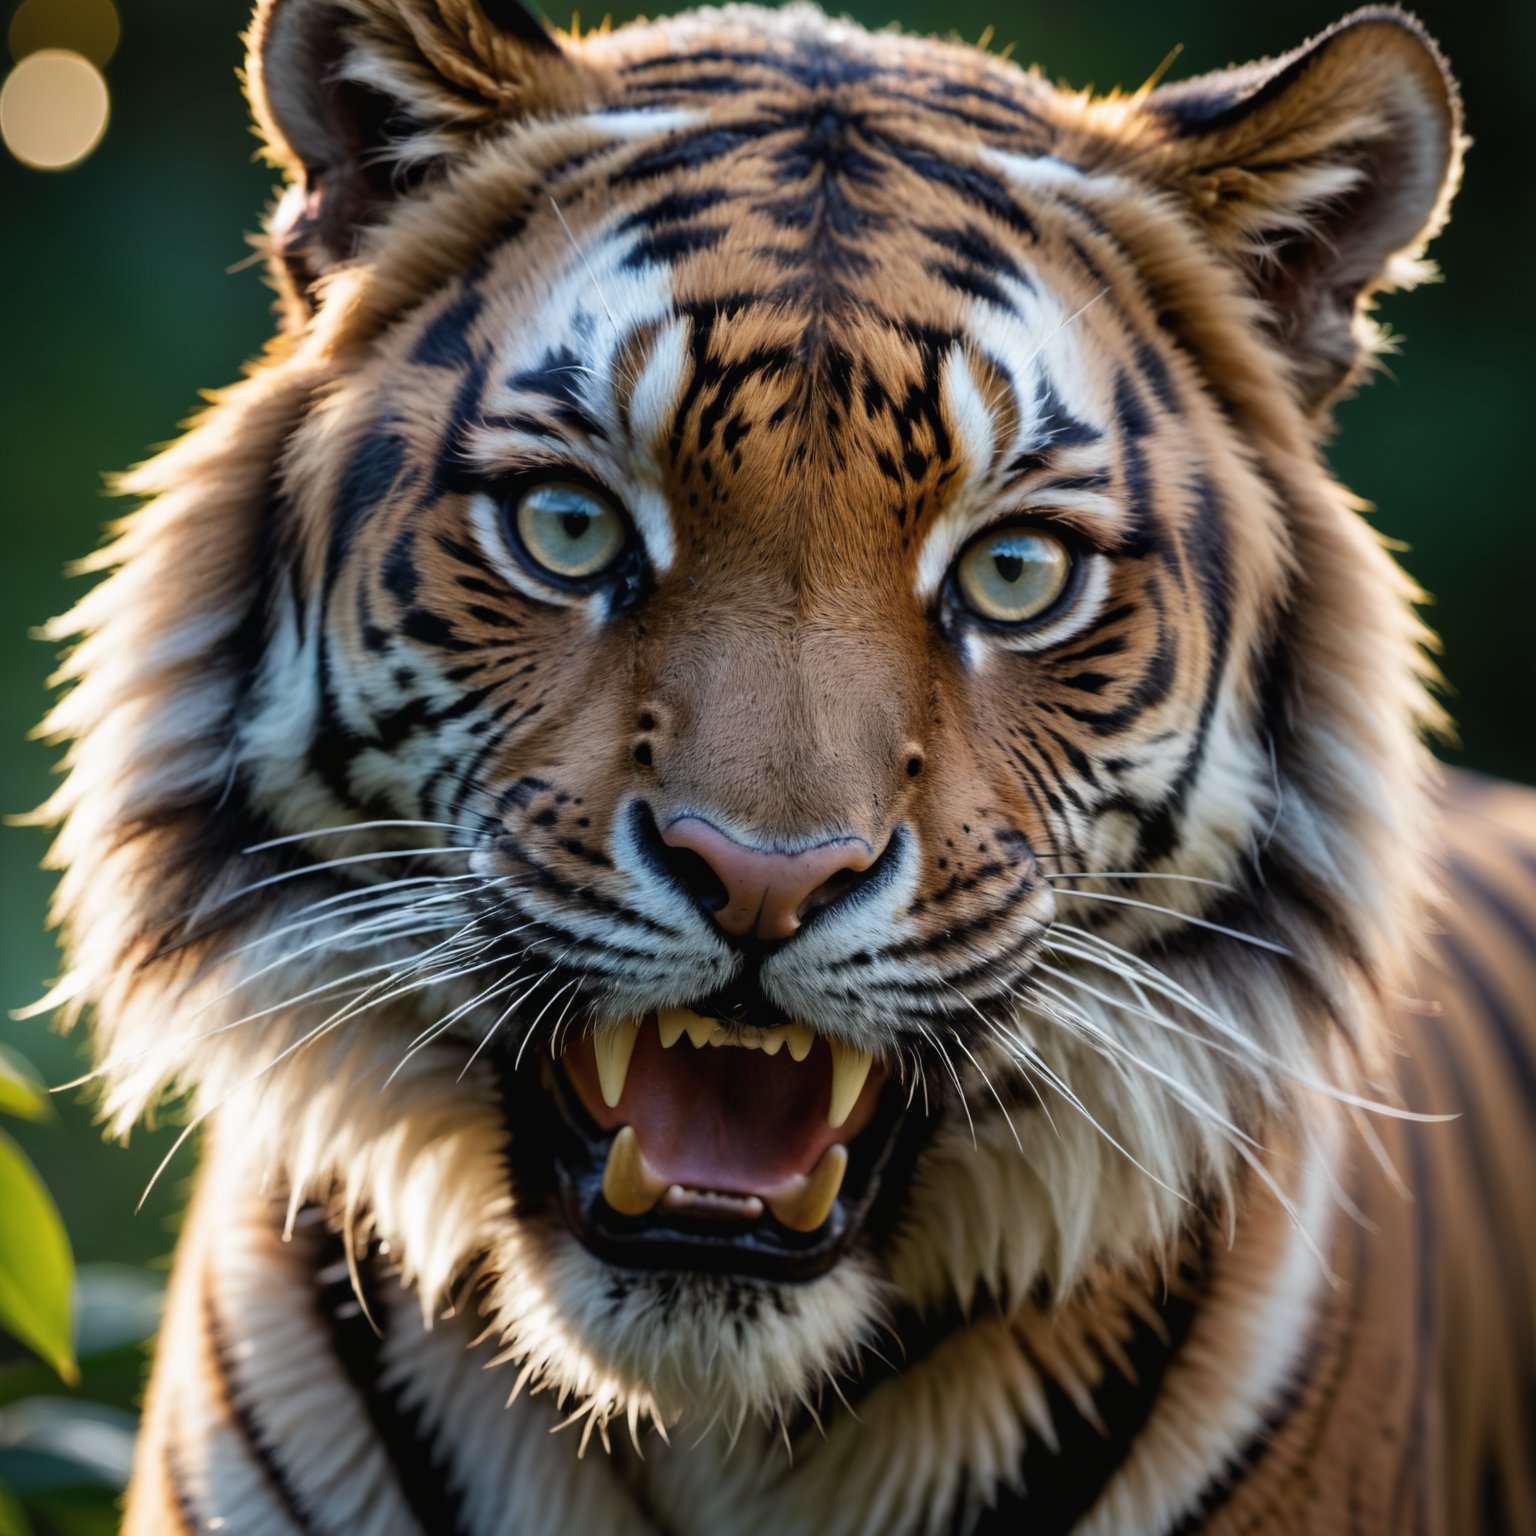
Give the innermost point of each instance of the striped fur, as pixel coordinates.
(354, 834)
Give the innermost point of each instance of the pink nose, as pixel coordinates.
(766, 892)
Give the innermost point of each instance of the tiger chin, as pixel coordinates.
(772, 813)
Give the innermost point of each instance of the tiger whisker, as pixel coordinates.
(1241, 1046)
(346, 861)
(988, 1024)
(1240, 1142)
(324, 1027)
(1113, 957)
(355, 826)
(1248, 1053)
(528, 1033)
(385, 897)
(560, 1023)
(556, 1033)
(498, 988)
(1184, 917)
(1023, 1052)
(1097, 1036)
(1134, 874)
(507, 1013)
(1013, 1130)
(949, 1066)
(373, 928)
(322, 989)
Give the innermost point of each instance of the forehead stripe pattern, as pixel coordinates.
(676, 218)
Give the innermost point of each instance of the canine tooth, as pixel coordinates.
(799, 1039)
(699, 1030)
(807, 1207)
(613, 1049)
(629, 1186)
(850, 1069)
(670, 1024)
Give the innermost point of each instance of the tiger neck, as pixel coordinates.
(1118, 1412)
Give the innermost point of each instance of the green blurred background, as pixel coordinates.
(126, 296)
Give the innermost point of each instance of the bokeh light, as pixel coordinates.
(53, 109)
(87, 27)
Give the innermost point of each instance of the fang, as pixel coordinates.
(629, 1186)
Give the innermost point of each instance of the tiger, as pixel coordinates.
(778, 829)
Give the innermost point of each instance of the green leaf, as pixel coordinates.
(51, 1443)
(36, 1267)
(22, 1092)
(13, 1518)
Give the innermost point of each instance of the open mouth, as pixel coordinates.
(690, 1139)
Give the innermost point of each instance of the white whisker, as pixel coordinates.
(345, 827)
(1134, 874)
(341, 863)
(1183, 917)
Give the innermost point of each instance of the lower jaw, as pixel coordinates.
(558, 1155)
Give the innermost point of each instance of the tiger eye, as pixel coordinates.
(1012, 575)
(568, 530)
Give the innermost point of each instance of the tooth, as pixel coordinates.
(807, 1206)
(772, 1041)
(799, 1039)
(850, 1069)
(613, 1049)
(629, 1186)
(670, 1023)
(699, 1029)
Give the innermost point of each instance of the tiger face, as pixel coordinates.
(790, 725)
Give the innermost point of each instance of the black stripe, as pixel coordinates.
(185, 1511)
(521, 23)
(418, 1461)
(1488, 1185)
(1314, 1357)
(968, 181)
(377, 469)
(1505, 1026)
(1206, 557)
(244, 1421)
(445, 341)
(1051, 1490)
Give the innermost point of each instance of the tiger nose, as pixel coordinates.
(764, 893)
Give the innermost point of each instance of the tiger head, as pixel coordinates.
(763, 711)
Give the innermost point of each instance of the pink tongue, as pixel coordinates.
(719, 1117)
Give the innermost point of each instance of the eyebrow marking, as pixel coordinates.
(649, 408)
(975, 434)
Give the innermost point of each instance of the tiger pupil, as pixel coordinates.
(1009, 567)
(575, 524)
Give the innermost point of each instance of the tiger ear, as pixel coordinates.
(1324, 174)
(357, 100)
